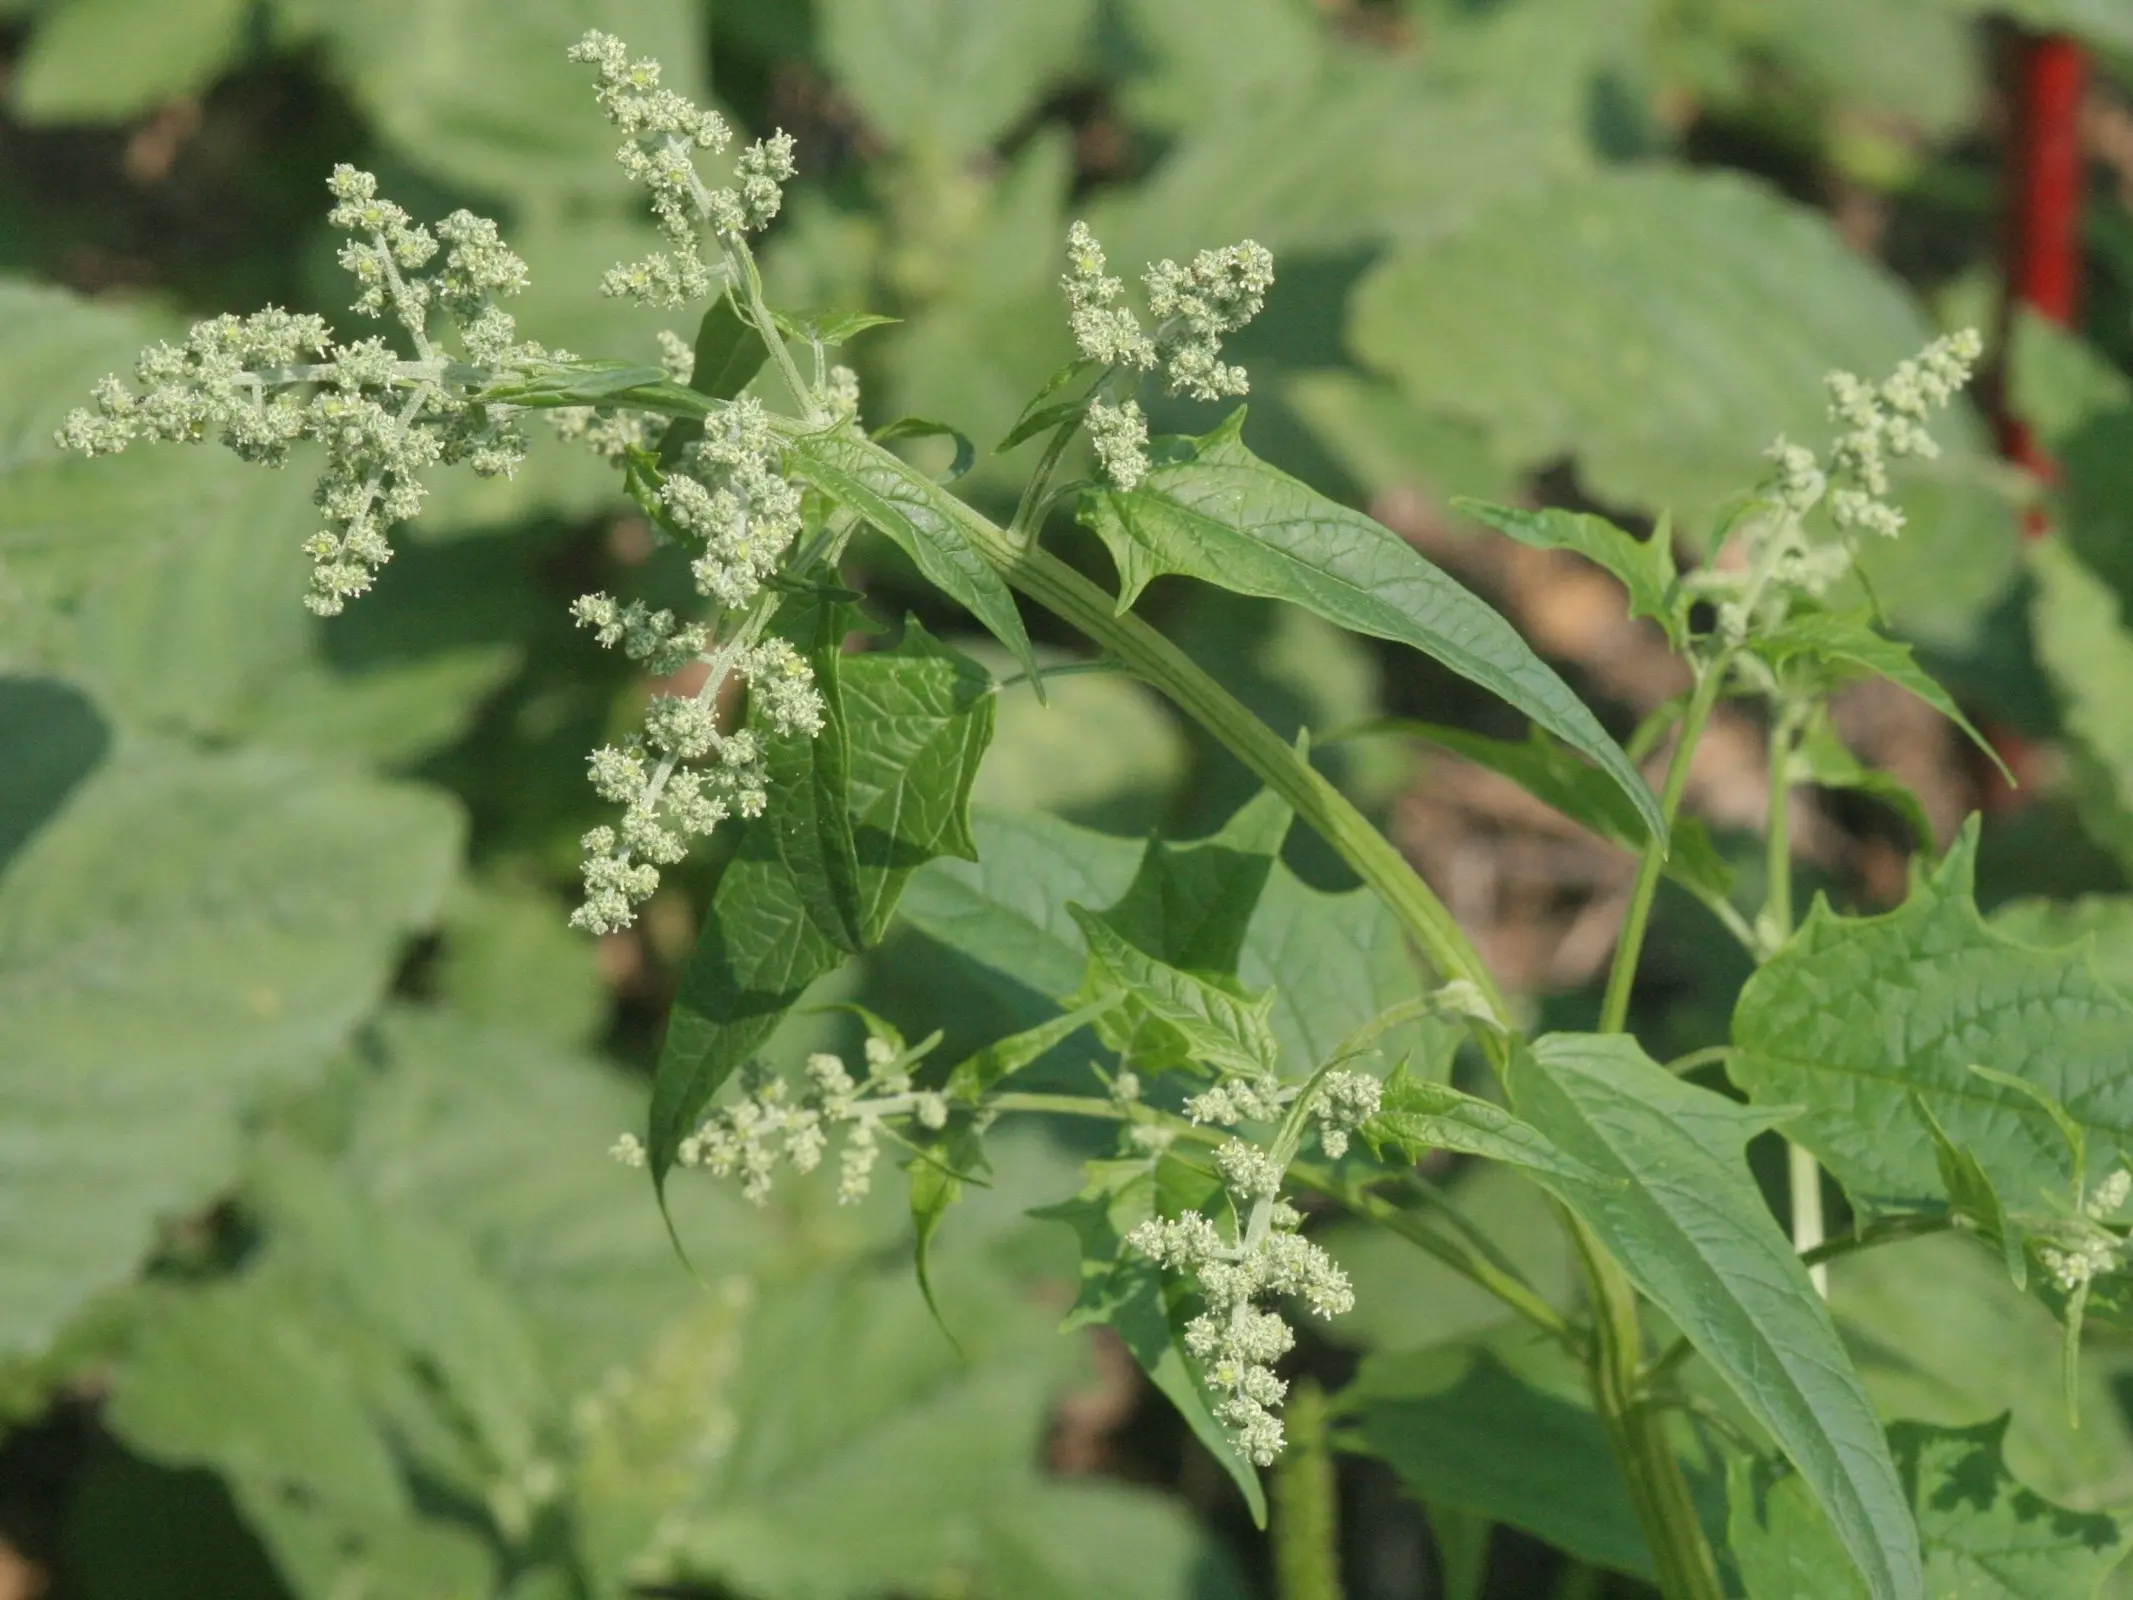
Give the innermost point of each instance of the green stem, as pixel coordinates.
(1306, 1503)
(742, 261)
(1622, 977)
(1658, 1489)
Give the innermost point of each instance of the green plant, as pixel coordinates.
(1948, 1076)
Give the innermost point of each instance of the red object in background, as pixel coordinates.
(2041, 256)
(2041, 269)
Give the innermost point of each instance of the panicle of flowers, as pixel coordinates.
(1343, 1103)
(1236, 1339)
(662, 132)
(769, 1123)
(731, 496)
(1120, 437)
(264, 382)
(1193, 307)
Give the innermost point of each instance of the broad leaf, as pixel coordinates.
(1216, 512)
(1986, 1536)
(112, 60)
(1857, 1014)
(187, 934)
(1715, 303)
(812, 820)
(1419, 1115)
(924, 521)
(1191, 904)
(1644, 567)
(1844, 645)
(1692, 1231)
(1462, 1430)
(946, 77)
(1219, 1028)
(918, 719)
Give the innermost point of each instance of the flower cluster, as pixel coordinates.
(1236, 1340)
(1194, 308)
(262, 383)
(2081, 1247)
(685, 775)
(1879, 422)
(769, 1123)
(662, 131)
(1343, 1103)
(732, 499)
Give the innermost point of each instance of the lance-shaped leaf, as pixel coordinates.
(1986, 1536)
(1846, 647)
(918, 718)
(1644, 567)
(1418, 1115)
(1122, 1291)
(1220, 1029)
(1542, 767)
(923, 520)
(1691, 1229)
(1216, 512)
(1858, 1014)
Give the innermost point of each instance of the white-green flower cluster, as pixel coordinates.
(1343, 1103)
(1236, 1340)
(1879, 422)
(769, 1125)
(662, 132)
(1193, 308)
(731, 497)
(2081, 1248)
(262, 383)
(685, 775)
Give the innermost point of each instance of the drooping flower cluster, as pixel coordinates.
(662, 132)
(1236, 1340)
(262, 383)
(769, 1124)
(1194, 308)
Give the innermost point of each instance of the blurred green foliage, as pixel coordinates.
(313, 1281)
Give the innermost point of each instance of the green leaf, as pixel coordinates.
(2086, 652)
(1986, 1536)
(923, 428)
(1823, 758)
(1551, 774)
(1331, 961)
(1463, 1430)
(918, 718)
(1043, 412)
(728, 353)
(924, 521)
(812, 820)
(937, 1173)
(830, 328)
(1847, 643)
(1644, 567)
(190, 933)
(1192, 904)
(1717, 304)
(970, 1079)
(1219, 1029)
(1126, 1293)
(1971, 1195)
(1694, 1235)
(1218, 513)
(245, 1379)
(1418, 1115)
(545, 385)
(110, 60)
(1857, 1014)
(481, 94)
(55, 739)
(944, 78)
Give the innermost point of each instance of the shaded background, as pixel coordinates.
(312, 1280)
